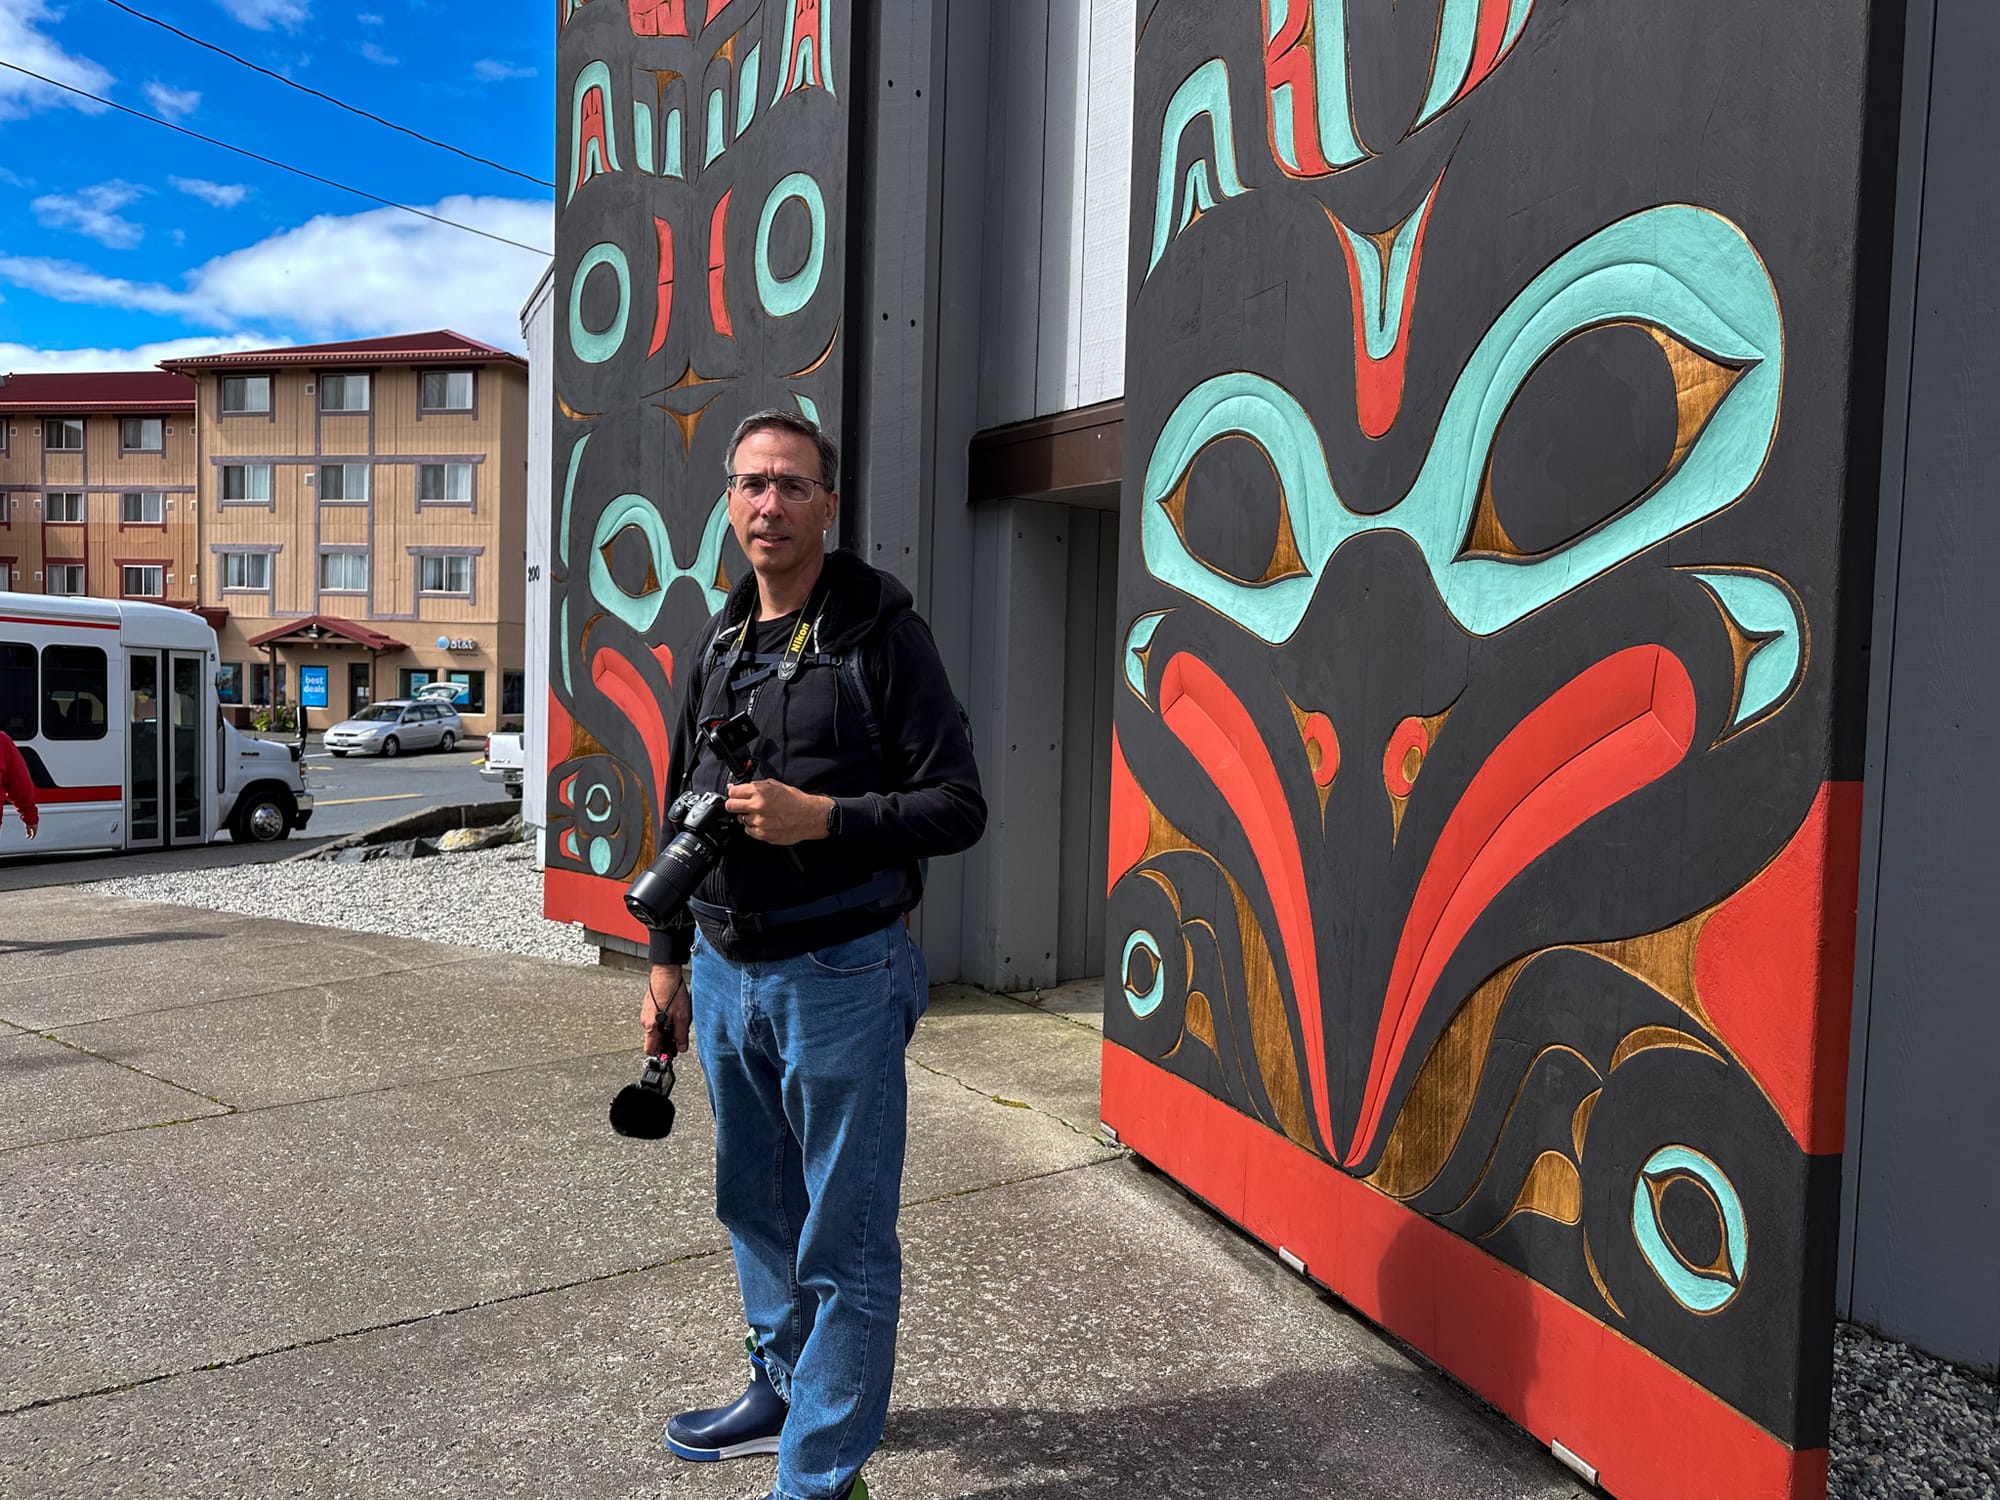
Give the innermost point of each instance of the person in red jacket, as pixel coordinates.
(16, 786)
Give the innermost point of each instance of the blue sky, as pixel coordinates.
(122, 243)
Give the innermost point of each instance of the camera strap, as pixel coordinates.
(806, 632)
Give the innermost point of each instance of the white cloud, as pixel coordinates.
(355, 276)
(216, 194)
(368, 18)
(23, 359)
(175, 104)
(93, 213)
(262, 15)
(376, 55)
(15, 179)
(486, 70)
(21, 43)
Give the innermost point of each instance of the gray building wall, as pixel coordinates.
(1923, 1190)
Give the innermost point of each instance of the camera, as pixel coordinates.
(703, 826)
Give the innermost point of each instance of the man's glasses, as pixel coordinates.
(793, 489)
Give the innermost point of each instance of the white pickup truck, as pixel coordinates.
(506, 762)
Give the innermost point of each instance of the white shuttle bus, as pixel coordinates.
(114, 707)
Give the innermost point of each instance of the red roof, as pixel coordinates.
(114, 390)
(313, 627)
(404, 348)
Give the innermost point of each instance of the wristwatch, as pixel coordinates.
(832, 818)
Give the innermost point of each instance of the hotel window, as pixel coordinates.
(444, 483)
(447, 390)
(63, 578)
(343, 572)
(345, 481)
(6, 577)
(260, 683)
(63, 434)
(447, 575)
(142, 580)
(142, 435)
(246, 483)
(246, 393)
(63, 505)
(246, 570)
(146, 508)
(343, 393)
(229, 682)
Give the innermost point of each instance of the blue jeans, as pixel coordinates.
(804, 1062)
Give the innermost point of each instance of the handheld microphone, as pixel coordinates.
(645, 1110)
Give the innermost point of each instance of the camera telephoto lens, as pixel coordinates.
(659, 895)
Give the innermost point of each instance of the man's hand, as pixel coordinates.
(774, 813)
(666, 1011)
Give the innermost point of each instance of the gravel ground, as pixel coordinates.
(491, 898)
(1904, 1425)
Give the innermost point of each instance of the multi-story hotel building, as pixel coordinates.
(98, 485)
(363, 512)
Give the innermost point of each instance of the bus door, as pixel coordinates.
(165, 795)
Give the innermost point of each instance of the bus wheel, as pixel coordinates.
(263, 817)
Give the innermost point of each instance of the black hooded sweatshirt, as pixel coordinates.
(918, 797)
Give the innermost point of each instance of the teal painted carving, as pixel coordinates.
(808, 58)
(1280, 12)
(1385, 298)
(784, 295)
(1204, 92)
(1197, 199)
(569, 496)
(1146, 1002)
(671, 159)
(642, 135)
(1682, 269)
(593, 127)
(1458, 65)
(746, 88)
(596, 348)
(600, 855)
(1704, 1289)
(807, 405)
(1766, 612)
(1137, 639)
(641, 610)
(562, 634)
(716, 142)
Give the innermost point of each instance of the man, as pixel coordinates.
(17, 786)
(796, 967)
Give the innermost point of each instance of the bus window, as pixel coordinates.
(75, 683)
(19, 692)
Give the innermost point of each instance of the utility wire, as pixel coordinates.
(139, 114)
(329, 98)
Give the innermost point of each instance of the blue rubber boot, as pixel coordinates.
(749, 1425)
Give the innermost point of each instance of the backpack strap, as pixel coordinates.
(864, 700)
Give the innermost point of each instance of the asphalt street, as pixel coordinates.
(350, 794)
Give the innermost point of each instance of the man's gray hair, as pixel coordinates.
(784, 419)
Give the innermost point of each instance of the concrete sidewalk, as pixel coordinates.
(294, 1211)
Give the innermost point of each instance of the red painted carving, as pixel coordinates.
(663, 309)
(658, 17)
(1612, 729)
(1129, 822)
(1198, 706)
(1775, 970)
(1378, 383)
(621, 683)
(718, 301)
(590, 132)
(1288, 58)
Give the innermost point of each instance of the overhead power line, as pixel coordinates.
(329, 98)
(139, 114)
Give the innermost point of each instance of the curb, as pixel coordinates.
(428, 823)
